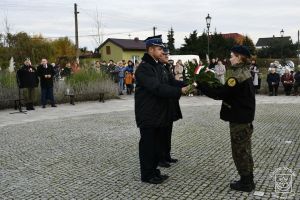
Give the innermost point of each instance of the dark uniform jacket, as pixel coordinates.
(153, 94)
(27, 77)
(174, 106)
(42, 71)
(238, 96)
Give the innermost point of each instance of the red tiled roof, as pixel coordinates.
(232, 35)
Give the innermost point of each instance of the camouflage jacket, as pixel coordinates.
(238, 96)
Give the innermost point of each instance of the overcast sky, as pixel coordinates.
(119, 18)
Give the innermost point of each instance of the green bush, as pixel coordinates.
(85, 84)
(86, 76)
(8, 80)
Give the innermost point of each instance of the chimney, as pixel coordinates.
(136, 39)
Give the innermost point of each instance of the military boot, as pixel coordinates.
(245, 184)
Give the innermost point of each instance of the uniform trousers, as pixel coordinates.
(47, 93)
(241, 147)
(150, 146)
(166, 139)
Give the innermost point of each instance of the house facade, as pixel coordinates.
(122, 49)
(266, 42)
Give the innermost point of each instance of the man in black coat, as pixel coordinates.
(152, 109)
(174, 109)
(27, 78)
(46, 73)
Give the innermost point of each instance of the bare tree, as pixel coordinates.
(7, 28)
(99, 28)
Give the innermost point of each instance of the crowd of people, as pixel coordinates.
(123, 73)
(289, 80)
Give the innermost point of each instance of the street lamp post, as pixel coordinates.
(298, 50)
(282, 34)
(208, 20)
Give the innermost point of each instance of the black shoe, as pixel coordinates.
(53, 105)
(164, 164)
(164, 176)
(246, 184)
(154, 180)
(239, 186)
(28, 106)
(43, 106)
(172, 160)
(31, 106)
(158, 174)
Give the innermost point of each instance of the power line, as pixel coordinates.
(92, 35)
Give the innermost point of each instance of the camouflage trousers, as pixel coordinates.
(241, 147)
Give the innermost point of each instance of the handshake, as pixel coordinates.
(188, 89)
(48, 76)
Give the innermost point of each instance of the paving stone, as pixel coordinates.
(95, 156)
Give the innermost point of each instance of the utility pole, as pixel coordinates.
(76, 33)
(154, 28)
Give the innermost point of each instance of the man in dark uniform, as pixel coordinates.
(152, 109)
(174, 109)
(238, 108)
(27, 78)
(46, 73)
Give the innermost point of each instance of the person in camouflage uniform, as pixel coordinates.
(238, 108)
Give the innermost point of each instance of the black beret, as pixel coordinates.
(242, 50)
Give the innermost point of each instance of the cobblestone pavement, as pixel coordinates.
(94, 156)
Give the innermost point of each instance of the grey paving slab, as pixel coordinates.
(90, 152)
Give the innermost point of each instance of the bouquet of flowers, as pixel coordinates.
(197, 74)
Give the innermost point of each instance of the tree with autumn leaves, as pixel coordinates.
(21, 45)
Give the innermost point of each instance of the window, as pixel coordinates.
(108, 50)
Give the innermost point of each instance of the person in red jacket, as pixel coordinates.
(287, 81)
